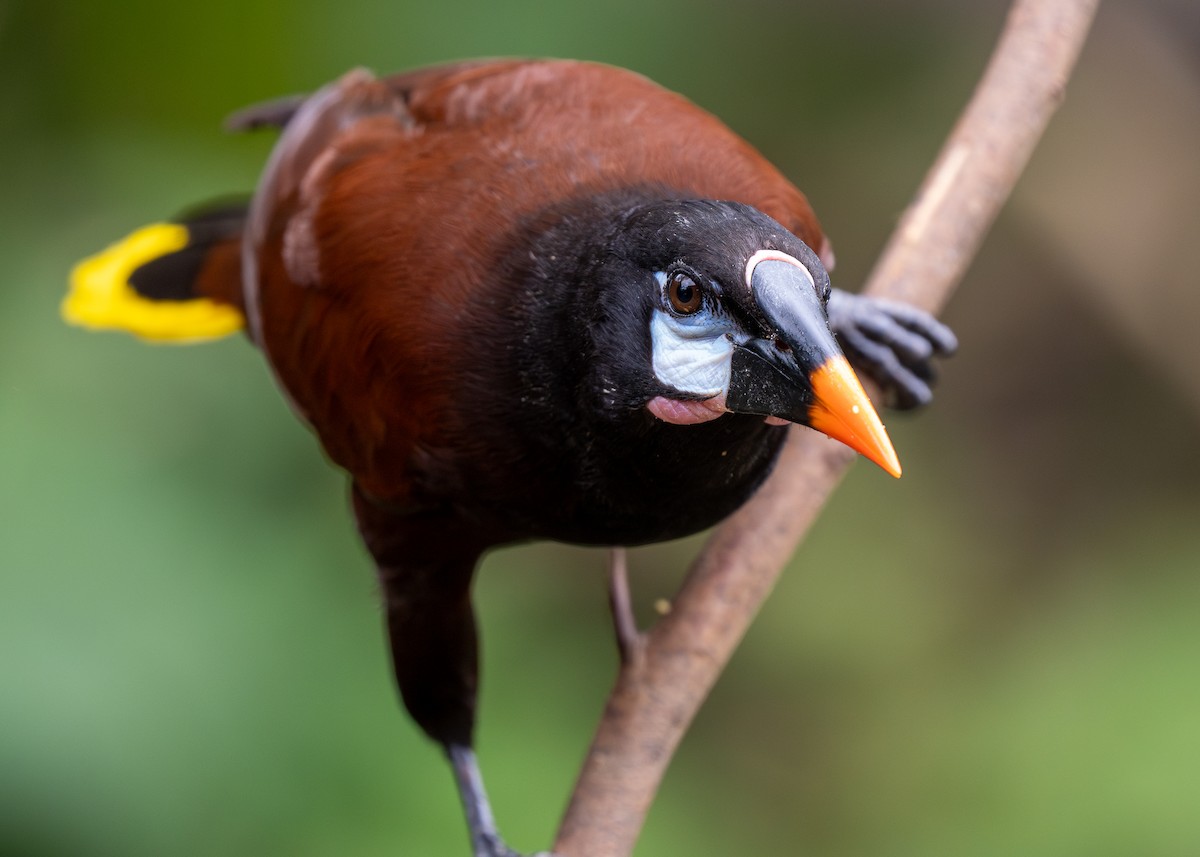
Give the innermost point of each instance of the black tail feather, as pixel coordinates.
(167, 282)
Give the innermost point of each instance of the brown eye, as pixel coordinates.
(684, 294)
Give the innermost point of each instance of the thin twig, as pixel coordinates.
(657, 695)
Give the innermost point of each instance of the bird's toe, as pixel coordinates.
(892, 343)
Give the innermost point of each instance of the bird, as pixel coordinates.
(519, 299)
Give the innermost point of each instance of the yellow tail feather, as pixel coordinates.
(101, 298)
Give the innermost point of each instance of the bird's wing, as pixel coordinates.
(597, 126)
(588, 98)
(328, 362)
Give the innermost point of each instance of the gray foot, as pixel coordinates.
(892, 343)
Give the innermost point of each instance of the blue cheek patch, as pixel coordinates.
(691, 355)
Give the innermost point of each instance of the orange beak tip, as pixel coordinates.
(843, 411)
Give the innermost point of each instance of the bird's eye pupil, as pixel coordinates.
(684, 294)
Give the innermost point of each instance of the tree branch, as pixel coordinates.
(658, 693)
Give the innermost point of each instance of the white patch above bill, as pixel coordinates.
(692, 358)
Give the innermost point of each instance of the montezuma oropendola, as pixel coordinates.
(517, 300)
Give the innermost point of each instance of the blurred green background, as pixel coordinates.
(997, 655)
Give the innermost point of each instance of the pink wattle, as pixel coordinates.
(687, 413)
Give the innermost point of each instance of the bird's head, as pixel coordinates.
(732, 308)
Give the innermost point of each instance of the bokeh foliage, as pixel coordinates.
(994, 656)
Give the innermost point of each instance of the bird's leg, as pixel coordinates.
(892, 343)
(629, 638)
(485, 839)
(425, 563)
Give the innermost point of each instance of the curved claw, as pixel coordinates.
(892, 343)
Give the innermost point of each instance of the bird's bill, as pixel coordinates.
(800, 374)
(841, 409)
